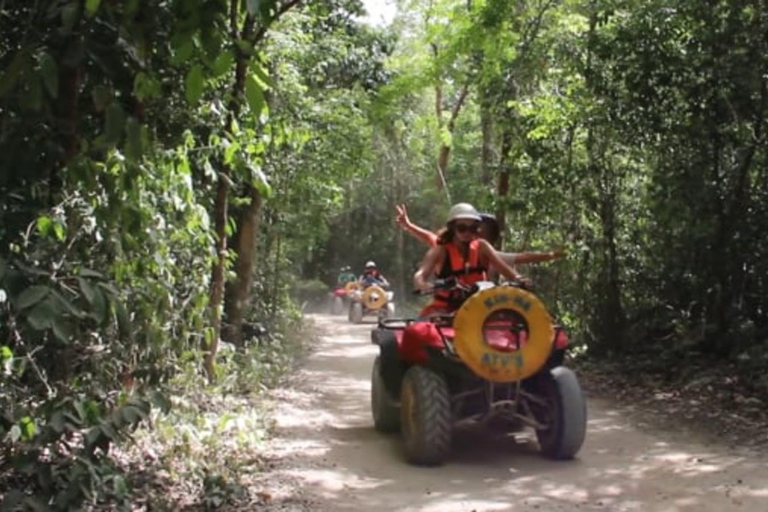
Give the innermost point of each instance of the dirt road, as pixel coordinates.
(328, 457)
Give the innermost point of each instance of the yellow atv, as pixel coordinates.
(372, 300)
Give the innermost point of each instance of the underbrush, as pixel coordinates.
(201, 453)
(186, 445)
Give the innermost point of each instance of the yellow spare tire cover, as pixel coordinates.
(352, 286)
(376, 302)
(497, 365)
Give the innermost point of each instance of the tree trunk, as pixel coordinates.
(246, 243)
(444, 153)
(486, 126)
(502, 187)
(217, 275)
(220, 209)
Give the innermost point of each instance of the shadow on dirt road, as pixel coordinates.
(328, 457)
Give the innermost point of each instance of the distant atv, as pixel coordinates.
(373, 300)
(340, 297)
(498, 361)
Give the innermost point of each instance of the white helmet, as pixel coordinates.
(370, 264)
(462, 211)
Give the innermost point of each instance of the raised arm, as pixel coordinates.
(536, 257)
(428, 267)
(489, 253)
(417, 232)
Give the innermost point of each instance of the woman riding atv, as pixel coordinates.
(489, 230)
(460, 254)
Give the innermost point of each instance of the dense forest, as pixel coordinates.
(172, 171)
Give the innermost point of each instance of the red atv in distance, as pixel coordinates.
(497, 361)
(341, 297)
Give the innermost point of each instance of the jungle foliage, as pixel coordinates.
(172, 172)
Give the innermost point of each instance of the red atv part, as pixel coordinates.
(412, 340)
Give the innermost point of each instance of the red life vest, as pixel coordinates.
(467, 271)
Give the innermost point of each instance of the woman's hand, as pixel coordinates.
(402, 216)
(525, 281)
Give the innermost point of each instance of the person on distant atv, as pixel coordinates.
(372, 276)
(460, 254)
(489, 230)
(345, 276)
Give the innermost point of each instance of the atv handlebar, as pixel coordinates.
(452, 283)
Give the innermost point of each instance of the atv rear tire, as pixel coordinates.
(386, 413)
(356, 314)
(566, 415)
(337, 306)
(425, 416)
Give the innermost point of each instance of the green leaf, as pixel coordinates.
(231, 151)
(224, 62)
(60, 231)
(145, 87)
(3, 268)
(99, 306)
(131, 415)
(109, 431)
(261, 75)
(183, 48)
(32, 296)
(28, 427)
(254, 94)
(41, 317)
(67, 305)
(194, 84)
(50, 72)
(63, 329)
(6, 358)
(123, 320)
(91, 6)
(114, 122)
(44, 225)
(89, 291)
(87, 272)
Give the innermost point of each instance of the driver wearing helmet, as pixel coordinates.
(372, 276)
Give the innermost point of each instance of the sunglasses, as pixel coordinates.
(464, 228)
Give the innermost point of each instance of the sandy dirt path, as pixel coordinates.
(328, 457)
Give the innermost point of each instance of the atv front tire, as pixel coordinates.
(386, 413)
(337, 306)
(425, 417)
(566, 414)
(356, 314)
